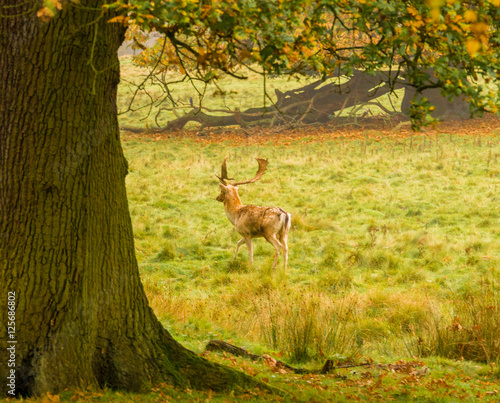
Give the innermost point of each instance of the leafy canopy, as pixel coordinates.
(447, 44)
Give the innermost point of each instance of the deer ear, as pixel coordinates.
(222, 187)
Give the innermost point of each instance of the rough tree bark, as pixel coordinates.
(66, 244)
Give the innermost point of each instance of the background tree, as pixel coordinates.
(67, 251)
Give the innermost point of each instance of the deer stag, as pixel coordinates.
(272, 223)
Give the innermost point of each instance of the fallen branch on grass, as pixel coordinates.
(317, 102)
(416, 368)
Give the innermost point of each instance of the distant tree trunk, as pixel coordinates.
(443, 107)
(66, 244)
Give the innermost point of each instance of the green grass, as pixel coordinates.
(448, 381)
(403, 219)
(393, 257)
(387, 240)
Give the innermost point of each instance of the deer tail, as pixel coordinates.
(286, 220)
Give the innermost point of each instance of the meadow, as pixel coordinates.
(393, 249)
(393, 273)
(393, 253)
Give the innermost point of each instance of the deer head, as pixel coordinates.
(229, 190)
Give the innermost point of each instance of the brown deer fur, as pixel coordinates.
(272, 223)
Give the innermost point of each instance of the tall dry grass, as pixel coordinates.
(471, 332)
(308, 325)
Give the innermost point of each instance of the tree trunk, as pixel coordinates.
(444, 109)
(67, 250)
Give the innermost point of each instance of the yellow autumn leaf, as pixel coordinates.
(479, 28)
(120, 19)
(412, 10)
(472, 46)
(470, 16)
(435, 6)
(435, 14)
(435, 3)
(45, 14)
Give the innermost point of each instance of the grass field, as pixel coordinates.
(393, 256)
(393, 252)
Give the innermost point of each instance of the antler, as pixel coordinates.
(262, 169)
(223, 174)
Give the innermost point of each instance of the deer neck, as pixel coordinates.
(232, 203)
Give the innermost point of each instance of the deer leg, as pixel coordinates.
(277, 245)
(250, 249)
(284, 237)
(284, 245)
(240, 242)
